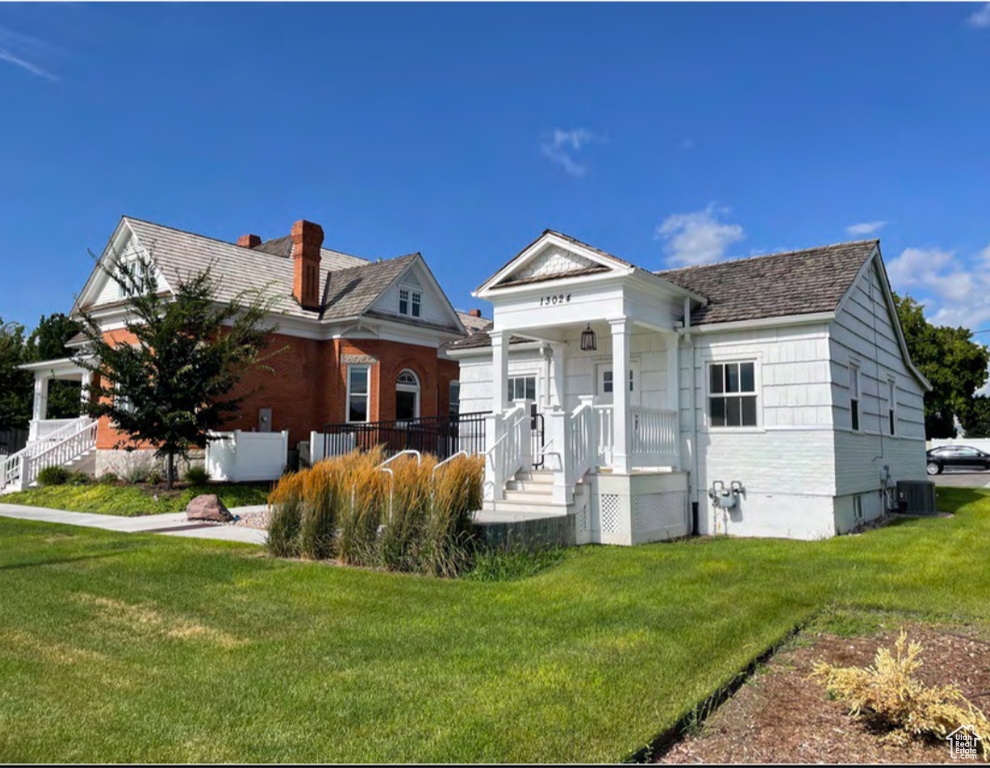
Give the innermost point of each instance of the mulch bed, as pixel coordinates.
(780, 716)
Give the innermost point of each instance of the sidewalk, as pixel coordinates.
(171, 524)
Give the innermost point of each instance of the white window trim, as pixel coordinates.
(417, 389)
(347, 403)
(414, 299)
(891, 413)
(707, 362)
(855, 367)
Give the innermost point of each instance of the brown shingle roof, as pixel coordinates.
(778, 285)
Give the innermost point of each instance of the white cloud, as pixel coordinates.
(699, 237)
(563, 147)
(24, 52)
(865, 228)
(955, 292)
(980, 18)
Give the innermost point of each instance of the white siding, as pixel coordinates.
(786, 464)
(863, 332)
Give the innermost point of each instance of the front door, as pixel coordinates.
(605, 387)
(526, 387)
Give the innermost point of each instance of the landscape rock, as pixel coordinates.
(208, 507)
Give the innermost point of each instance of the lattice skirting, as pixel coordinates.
(609, 505)
(656, 511)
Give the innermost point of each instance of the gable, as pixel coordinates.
(867, 316)
(552, 261)
(101, 289)
(434, 306)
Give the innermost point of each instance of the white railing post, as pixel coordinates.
(559, 423)
(525, 451)
(494, 485)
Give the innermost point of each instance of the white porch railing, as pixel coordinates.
(62, 446)
(654, 436)
(46, 429)
(582, 442)
(511, 450)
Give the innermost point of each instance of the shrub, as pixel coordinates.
(136, 473)
(155, 476)
(79, 478)
(53, 476)
(412, 519)
(891, 697)
(108, 478)
(197, 475)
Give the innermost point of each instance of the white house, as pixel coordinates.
(769, 396)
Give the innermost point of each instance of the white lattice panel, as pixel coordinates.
(552, 261)
(654, 511)
(609, 504)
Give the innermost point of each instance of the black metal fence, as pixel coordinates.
(442, 436)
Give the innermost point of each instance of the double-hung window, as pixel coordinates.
(854, 395)
(410, 302)
(358, 392)
(522, 387)
(732, 394)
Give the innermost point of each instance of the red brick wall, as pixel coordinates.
(308, 388)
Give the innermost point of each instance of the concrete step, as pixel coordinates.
(536, 477)
(529, 486)
(528, 497)
(510, 506)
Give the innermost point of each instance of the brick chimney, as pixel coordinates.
(249, 241)
(474, 312)
(306, 241)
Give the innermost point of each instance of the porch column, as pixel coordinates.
(557, 393)
(621, 451)
(40, 405)
(500, 370)
(674, 391)
(87, 379)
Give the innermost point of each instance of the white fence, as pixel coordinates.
(238, 457)
(322, 446)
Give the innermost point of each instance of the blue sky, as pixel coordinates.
(667, 134)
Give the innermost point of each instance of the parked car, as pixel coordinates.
(959, 456)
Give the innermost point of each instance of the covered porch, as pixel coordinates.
(42, 428)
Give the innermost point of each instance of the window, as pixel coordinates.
(607, 385)
(858, 508)
(732, 395)
(358, 392)
(406, 396)
(521, 387)
(455, 399)
(854, 395)
(410, 302)
(892, 405)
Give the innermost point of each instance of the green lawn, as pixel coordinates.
(133, 500)
(142, 648)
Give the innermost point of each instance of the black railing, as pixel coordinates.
(442, 436)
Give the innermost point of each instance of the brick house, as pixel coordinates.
(362, 340)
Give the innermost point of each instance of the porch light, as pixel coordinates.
(589, 342)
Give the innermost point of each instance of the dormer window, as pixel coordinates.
(410, 302)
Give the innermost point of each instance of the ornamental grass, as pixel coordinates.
(415, 518)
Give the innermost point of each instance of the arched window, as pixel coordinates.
(406, 396)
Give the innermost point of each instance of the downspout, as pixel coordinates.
(685, 331)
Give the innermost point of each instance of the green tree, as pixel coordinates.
(977, 423)
(954, 364)
(16, 386)
(175, 383)
(47, 342)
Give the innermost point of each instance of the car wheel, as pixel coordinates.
(933, 468)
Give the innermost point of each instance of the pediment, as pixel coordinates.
(551, 262)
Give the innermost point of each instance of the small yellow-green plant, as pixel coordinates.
(889, 695)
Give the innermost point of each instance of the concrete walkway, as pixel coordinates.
(170, 524)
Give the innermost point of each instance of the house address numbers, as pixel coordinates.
(560, 298)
